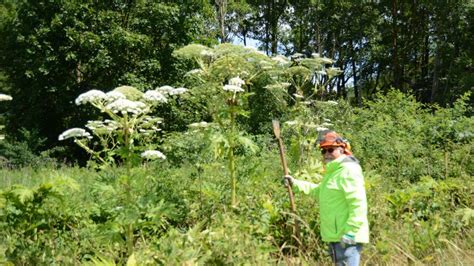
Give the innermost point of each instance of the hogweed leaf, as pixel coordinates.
(22, 194)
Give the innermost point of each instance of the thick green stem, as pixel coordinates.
(90, 151)
(233, 178)
(446, 157)
(127, 186)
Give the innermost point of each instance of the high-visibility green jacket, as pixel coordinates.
(342, 199)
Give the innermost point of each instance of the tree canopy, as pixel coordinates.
(51, 51)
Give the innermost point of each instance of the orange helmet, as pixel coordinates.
(332, 139)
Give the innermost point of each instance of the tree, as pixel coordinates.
(240, 20)
(422, 49)
(54, 50)
(267, 28)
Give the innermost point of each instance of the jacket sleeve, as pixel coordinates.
(352, 183)
(306, 188)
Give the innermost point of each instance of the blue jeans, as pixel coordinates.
(345, 255)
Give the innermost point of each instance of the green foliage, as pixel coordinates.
(130, 93)
(25, 150)
(268, 79)
(429, 214)
(53, 51)
(430, 200)
(36, 221)
(226, 240)
(394, 126)
(181, 215)
(127, 132)
(416, 157)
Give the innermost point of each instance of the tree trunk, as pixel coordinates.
(435, 82)
(274, 40)
(274, 17)
(377, 79)
(319, 47)
(301, 26)
(395, 63)
(221, 6)
(356, 87)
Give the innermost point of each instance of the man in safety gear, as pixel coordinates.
(342, 199)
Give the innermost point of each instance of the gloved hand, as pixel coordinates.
(287, 180)
(348, 239)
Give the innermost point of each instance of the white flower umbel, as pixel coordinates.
(195, 72)
(153, 155)
(298, 96)
(233, 88)
(297, 55)
(326, 124)
(309, 125)
(111, 124)
(94, 124)
(265, 65)
(114, 95)
(321, 72)
(281, 60)
(319, 129)
(125, 106)
(178, 91)
(164, 89)
(155, 96)
(236, 81)
(202, 124)
(91, 96)
(75, 133)
(4, 97)
(325, 60)
(101, 127)
(276, 86)
(207, 53)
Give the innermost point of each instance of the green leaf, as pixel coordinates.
(247, 143)
(22, 194)
(218, 144)
(467, 215)
(132, 261)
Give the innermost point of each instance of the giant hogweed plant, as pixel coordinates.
(302, 131)
(309, 78)
(221, 71)
(228, 138)
(228, 74)
(128, 128)
(127, 133)
(270, 82)
(224, 134)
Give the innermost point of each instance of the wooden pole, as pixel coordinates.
(276, 130)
